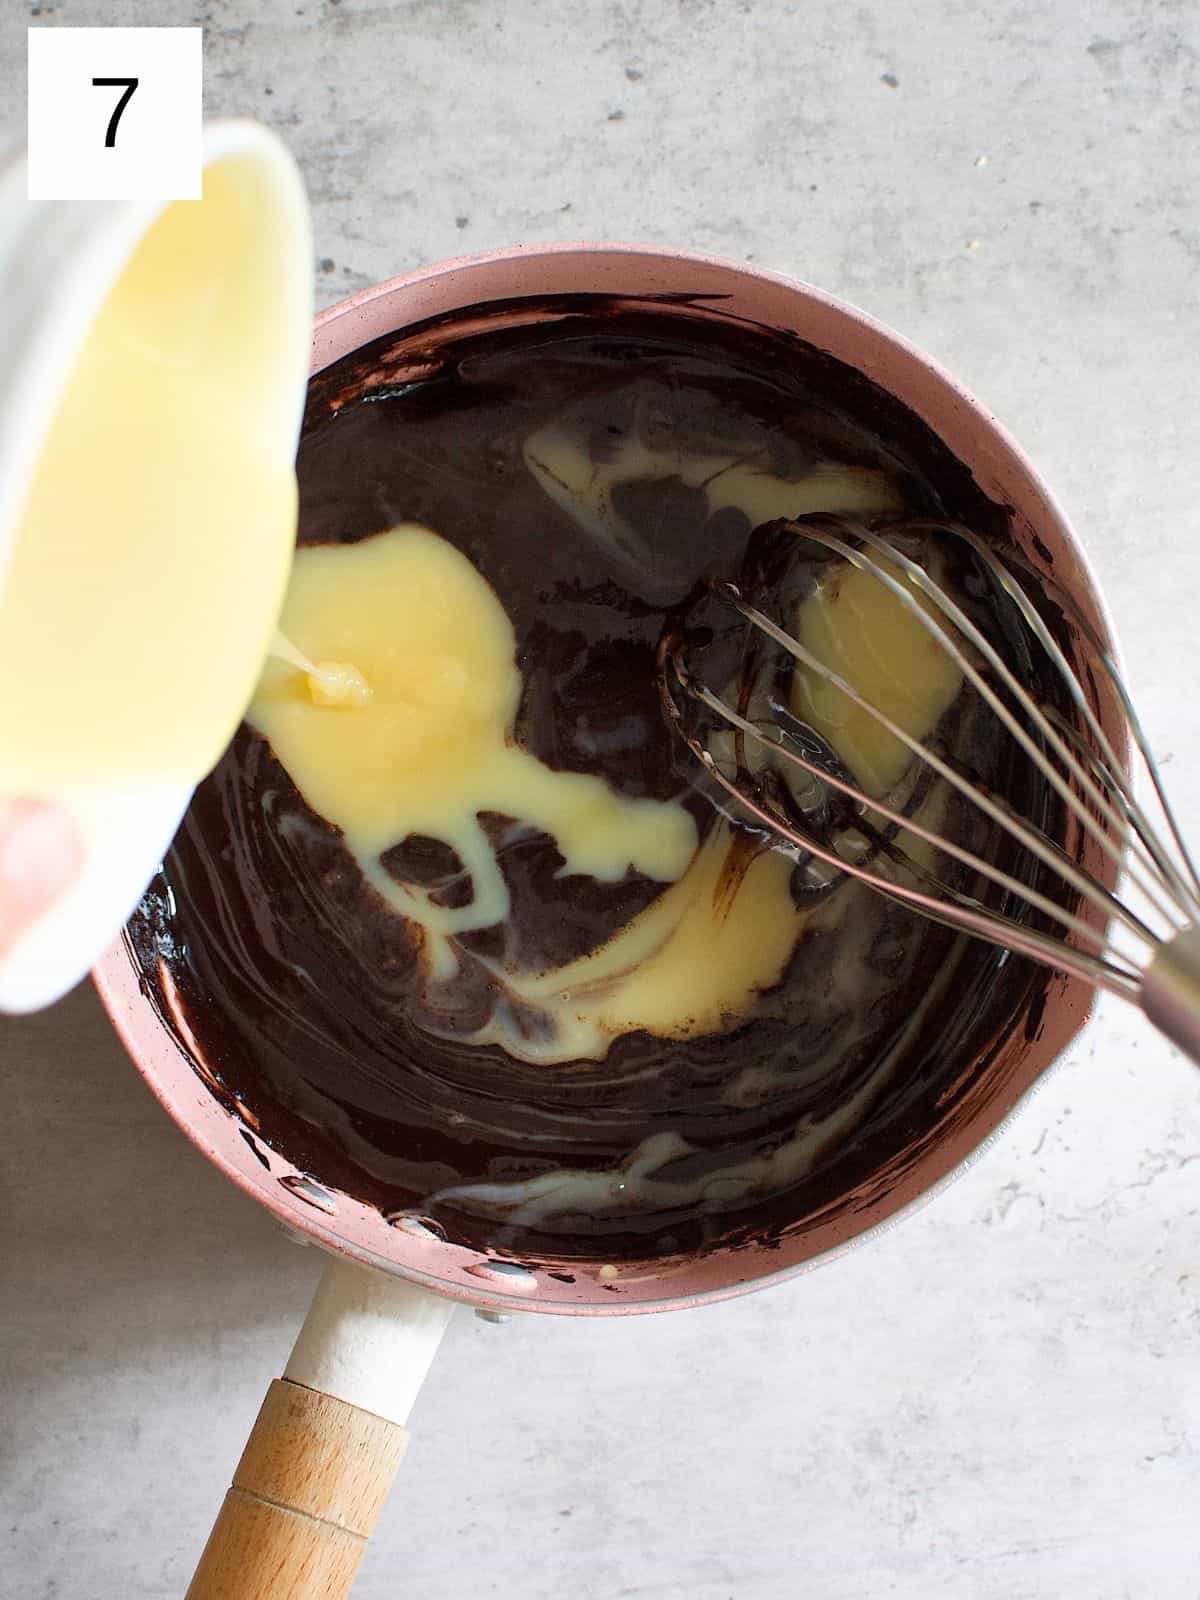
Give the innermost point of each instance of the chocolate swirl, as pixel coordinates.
(307, 994)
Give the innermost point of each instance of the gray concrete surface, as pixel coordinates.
(1001, 1399)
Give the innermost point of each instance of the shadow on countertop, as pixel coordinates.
(119, 1245)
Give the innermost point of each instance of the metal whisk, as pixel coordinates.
(1139, 940)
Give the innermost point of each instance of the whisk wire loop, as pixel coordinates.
(1084, 813)
(1075, 758)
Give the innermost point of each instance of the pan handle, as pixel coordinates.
(321, 1457)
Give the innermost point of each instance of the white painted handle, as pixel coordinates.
(369, 1339)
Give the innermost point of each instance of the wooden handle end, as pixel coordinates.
(305, 1499)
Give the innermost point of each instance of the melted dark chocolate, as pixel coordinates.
(302, 988)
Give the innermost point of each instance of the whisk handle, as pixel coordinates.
(1171, 991)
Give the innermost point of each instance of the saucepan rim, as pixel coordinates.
(338, 1222)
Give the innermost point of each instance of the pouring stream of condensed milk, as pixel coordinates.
(330, 683)
(153, 359)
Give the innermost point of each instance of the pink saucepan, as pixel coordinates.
(327, 1442)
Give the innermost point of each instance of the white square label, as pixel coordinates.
(115, 113)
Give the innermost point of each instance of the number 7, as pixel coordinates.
(129, 85)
